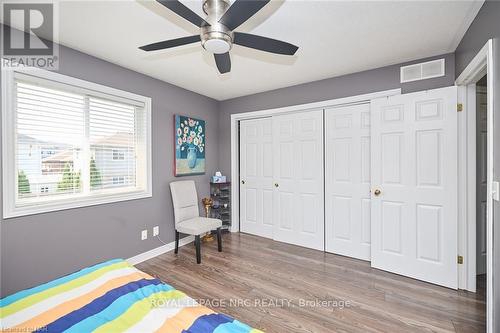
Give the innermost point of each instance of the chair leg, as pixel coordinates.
(198, 250)
(219, 239)
(176, 242)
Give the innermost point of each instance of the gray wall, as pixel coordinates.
(343, 86)
(484, 27)
(38, 248)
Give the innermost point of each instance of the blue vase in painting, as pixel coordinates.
(191, 157)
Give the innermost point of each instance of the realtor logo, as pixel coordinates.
(28, 32)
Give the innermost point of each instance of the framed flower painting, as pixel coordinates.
(189, 146)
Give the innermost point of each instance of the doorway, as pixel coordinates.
(481, 180)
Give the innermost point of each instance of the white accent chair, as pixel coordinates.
(187, 216)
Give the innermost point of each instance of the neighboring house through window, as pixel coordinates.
(118, 180)
(118, 155)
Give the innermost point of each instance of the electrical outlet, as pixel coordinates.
(156, 231)
(144, 234)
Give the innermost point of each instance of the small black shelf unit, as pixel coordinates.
(221, 207)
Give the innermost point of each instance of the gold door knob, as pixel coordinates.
(377, 192)
(243, 182)
(276, 185)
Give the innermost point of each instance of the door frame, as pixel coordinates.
(480, 65)
(236, 117)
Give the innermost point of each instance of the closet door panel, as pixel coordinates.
(347, 160)
(298, 179)
(256, 173)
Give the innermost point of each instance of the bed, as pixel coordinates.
(111, 297)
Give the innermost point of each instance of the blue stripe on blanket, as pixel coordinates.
(234, 327)
(117, 308)
(208, 323)
(96, 306)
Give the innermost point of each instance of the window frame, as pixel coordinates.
(9, 139)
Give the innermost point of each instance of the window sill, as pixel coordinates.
(72, 203)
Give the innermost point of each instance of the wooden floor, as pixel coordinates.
(256, 270)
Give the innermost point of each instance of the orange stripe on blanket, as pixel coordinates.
(63, 309)
(184, 319)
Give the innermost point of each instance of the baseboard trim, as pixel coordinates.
(158, 251)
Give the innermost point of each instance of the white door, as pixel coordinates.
(481, 179)
(298, 176)
(414, 166)
(256, 177)
(347, 155)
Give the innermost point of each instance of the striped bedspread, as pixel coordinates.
(110, 297)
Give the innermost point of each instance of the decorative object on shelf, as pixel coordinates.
(218, 178)
(207, 202)
(189, 146)
(220, 192)
(216, 204)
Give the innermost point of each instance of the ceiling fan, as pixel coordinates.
(217, 33)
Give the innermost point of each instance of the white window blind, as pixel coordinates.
(50, 137)
(112, 135)
(73, 146)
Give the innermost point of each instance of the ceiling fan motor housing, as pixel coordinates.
(216, 38)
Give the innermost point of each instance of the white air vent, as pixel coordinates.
(422, 71)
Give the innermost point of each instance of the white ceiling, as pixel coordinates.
(335, 38)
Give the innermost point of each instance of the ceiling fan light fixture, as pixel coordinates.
(217, 46)
(216, 39)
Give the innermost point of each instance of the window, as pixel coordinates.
(70, 143)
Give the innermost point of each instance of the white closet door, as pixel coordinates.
(481, 179)
(298, 174)
(347, 155)
(414, 166)
(256, 173)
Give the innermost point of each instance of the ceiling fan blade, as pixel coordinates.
(264, 43)
(223, 62)
(240, 11)
(166, 44)
(177, 7)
